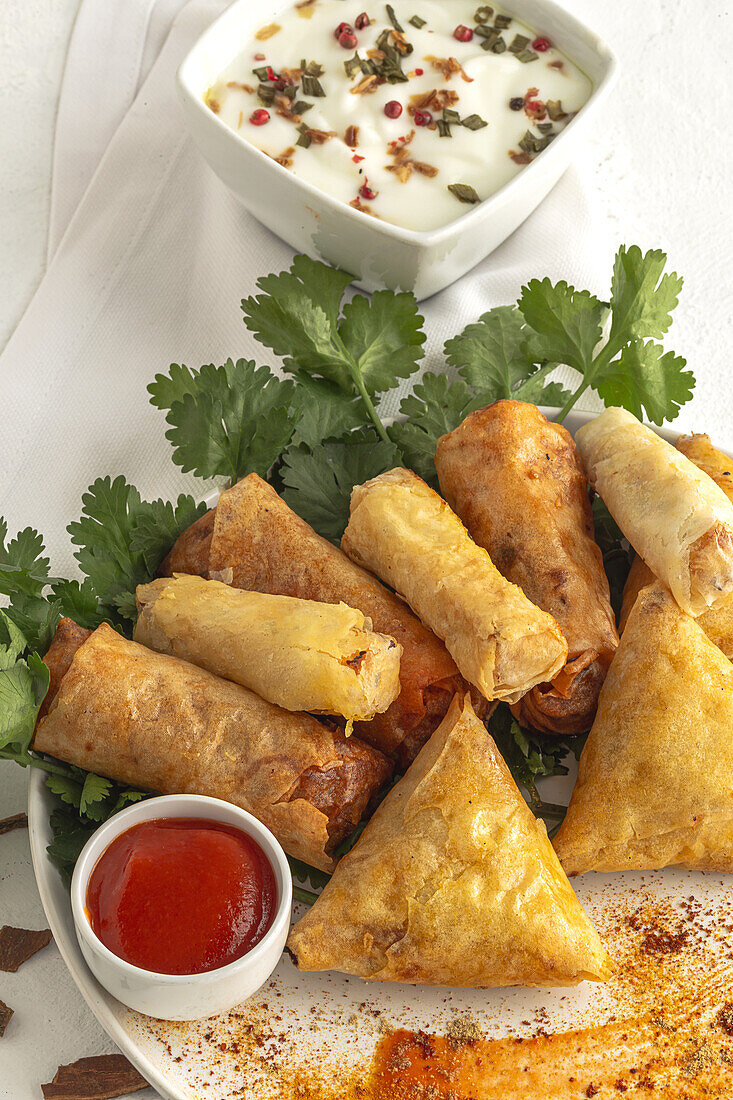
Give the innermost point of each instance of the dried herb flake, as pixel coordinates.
(443, 127)
(262, 73)
(352, 64)
(266, 94)
(518, 43)
(499, 46)
(394, 20)
(417, 22)
(527, 55)
(300, 107)
(449, 115)
(304, 140)
(483, 13)
(502, 22)
(312, 86)
(474, 122)
(554, 109)
(464, 192)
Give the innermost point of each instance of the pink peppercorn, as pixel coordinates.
(463, 33)
(419, 72)
(423, 118)
(541, 44)
(366, 192)
(341, 28)
(348, 40)
(393, 109)
(362, 21)
(259, 117)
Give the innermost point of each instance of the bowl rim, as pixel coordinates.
(192, 94)
(166, 806)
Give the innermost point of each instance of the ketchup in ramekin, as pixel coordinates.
(181, 895)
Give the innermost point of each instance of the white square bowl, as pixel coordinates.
(378, 253)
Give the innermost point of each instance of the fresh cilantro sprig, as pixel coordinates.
(362, 348)
(627, 368)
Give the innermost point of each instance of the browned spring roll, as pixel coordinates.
(159, 723)
(717, 623)
(253, 540)
(516, 481)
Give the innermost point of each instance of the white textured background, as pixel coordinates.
(664, 167)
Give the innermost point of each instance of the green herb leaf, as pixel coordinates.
(158, 527)
(326, 412)
(464, 193)
(23, 687)
(68, 789)
(94, 791)
(646, 379)
(368, 349)
(318, 483)
(567, 322)
(616, 551)
(642, 298)
(226, 421)
(436, 406)
(530, 758)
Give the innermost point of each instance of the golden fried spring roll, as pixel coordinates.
(674, 515)
(252, 540)
(302, 655)
(516, 481)
(162, 724)
(453, 882)
(717, 624)
(655, 781)
(409, 537)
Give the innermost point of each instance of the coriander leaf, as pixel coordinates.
(641, 301)
(374, 343)
(490, 353)
(436, 406)
(384, 336)
(37, 617)
(645, 378)
(126, 605)
(23, 568)
(168, 388)
(535, 391)
(78, 602)
(126, 798)
(159, 526)
(238, 420)
(616, 551)
(23, 686)
(529, 758)
(306, 874)
(296, 316)
(67, 789)
(566, 323)
(318, 483)
(95, 791)
(325, 411)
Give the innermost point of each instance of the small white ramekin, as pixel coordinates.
(182, 996)
(377, 253)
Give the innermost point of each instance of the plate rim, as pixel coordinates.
(39, 799)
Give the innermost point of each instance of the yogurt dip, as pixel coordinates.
(410, 112)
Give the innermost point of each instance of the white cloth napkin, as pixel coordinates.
(149, 258)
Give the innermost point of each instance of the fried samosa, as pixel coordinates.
(161, 724)
(301, 655)
(403, 531)
(252, 540)
(717, 624)
(674, 515)
(453, 882)
(516, 481)
(655, 780)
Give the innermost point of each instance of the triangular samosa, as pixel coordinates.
(453, 882)
(655, 781)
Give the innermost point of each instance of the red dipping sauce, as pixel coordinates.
(181, 895)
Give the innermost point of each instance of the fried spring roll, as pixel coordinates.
(299, 654)
(409, 537)
(674, 515)
(252, 540)
(717, 624)
(516, 481)
(161, 724)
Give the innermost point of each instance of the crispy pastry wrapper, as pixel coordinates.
(655, 783)
(453, 882)
(157, 722)
(673, 514)
(301, 655)
(403, 531)
(717, 623)
(516, 481)
(254, 541)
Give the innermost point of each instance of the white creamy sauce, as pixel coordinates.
(407, 183)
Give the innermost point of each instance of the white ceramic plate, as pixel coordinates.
(319, 1029)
